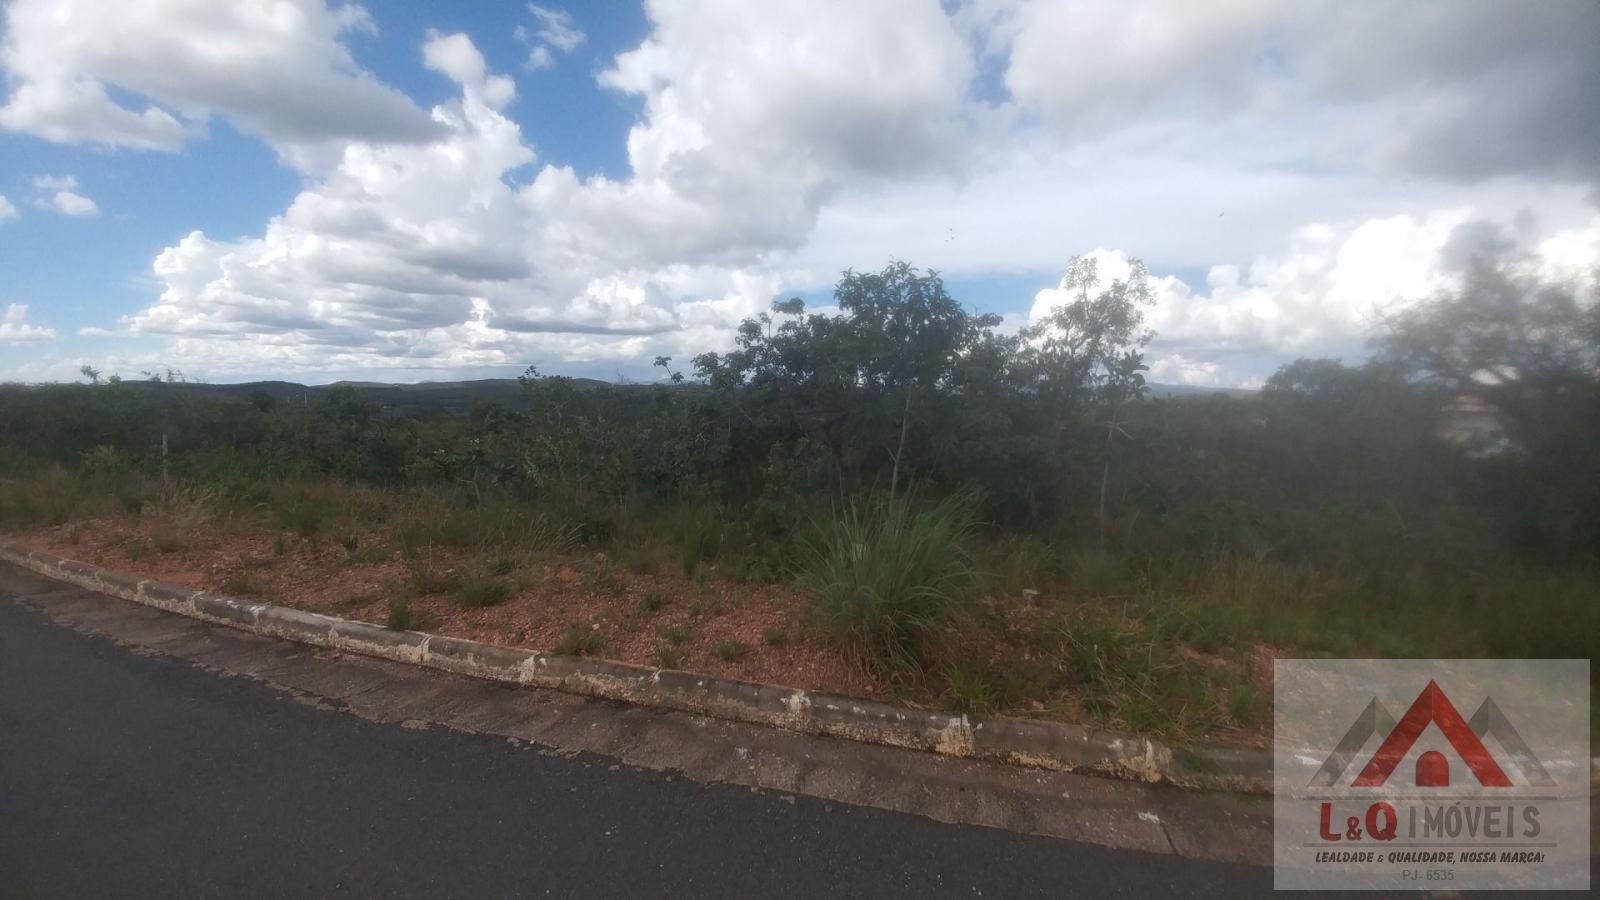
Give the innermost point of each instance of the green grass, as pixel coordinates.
(971, 689)
(880, 577)
(774, 637)
(401, 617)
(700, 540)
(474, 593)
(668, 657)
(304, 509)
(652, 602)
(1096, 571)
(1020, 563)
(729, 650)
(675, 635)
(427, 582)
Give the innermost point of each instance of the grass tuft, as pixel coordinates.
(475, 593)
(729, 650)
(401, 617)
(580, 640)
(881, 576)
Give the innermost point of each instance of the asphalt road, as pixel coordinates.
(124, 774)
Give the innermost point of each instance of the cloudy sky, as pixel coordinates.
(405, 191)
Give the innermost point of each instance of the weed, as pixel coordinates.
(700, 541)
(640, 562)
(244, 584)
(302, 509)
(478, 592)
(134, 549)
(580, 640)
(706, 606)
(599, 579)
(277, 544)
(168, 541)
(971, 689)
(254, 562)
(502, 567)
(652, 601)
(401, 618)
(1097, 572)
(668, 657)
(729, 650)
(675, 635)
(408, 544)
(882, 575)
(1246, 705)
(774, 637)
(366, 556)
(350, 543)
(74, 534)
(1021, 564)
(425, 581)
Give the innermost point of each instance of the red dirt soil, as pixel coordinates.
(550, 598)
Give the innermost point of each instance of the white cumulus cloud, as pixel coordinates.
(274, 68)
(1325, 295)
(8, 211)
(1302, 166)
(427, 254)
(1467, 89)
(60, 193)
(14, 327)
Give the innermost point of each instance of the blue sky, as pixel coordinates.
(416, 191)
(88, 271)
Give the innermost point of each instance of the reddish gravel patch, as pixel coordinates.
(550, 598)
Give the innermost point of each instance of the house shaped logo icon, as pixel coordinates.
(1465, 737)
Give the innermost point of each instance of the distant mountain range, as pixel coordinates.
(458, 396)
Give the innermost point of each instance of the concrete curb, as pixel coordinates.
(1023, 742)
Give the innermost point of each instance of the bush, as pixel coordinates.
(882, 575)
(103, 460)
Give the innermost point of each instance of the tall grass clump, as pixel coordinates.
(881, 575)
